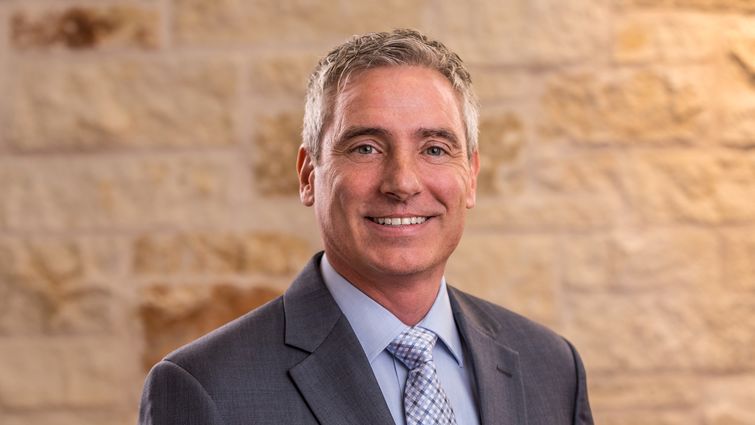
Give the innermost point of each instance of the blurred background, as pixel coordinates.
(148, 191)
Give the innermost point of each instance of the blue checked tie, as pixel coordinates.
(425, 402)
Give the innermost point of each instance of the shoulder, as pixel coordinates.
(257, 326)
(508, 328)
(550, 369)
(201, 377)
(256, 339)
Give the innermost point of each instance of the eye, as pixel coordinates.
(364, 149)
(435, 151)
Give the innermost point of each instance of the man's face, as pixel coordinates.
(394, 179)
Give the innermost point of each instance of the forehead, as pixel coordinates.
(416, 90)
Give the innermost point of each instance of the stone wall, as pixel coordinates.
(147, 189)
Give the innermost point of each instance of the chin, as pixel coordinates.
(403, 266)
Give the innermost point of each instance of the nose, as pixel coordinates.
(401, 179)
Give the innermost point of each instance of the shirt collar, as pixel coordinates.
(440, 320)
(363, 313)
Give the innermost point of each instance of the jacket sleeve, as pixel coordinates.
(172, 396)
(582, 412)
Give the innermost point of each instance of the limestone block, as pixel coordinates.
(736, 87)
(5, 60)
(738, 128)
(173, 316)
(745, 6)
(631, 333)
(259, 253)
(633, 416)
(79, 417)
(560, 192)
(199, 22)
(645, 391)
(501, 140)
(277, 141)
(587, 261)
(726, 415)
(171, 254)
(718, 5)
(76, 105)
(109, 192)
(275, 254)
(56, 286)
(731, 329)
(654, 259)
(739, 259)
(731, 401)
(707, 330)
(285, 215)
(694, 186)
(643, 259)
(514, 271)
(524, 31)
(627, 4)
(274, 77)
(641, 106)
(85, 27)
(643, 37)
(495, 84)
(62, 374)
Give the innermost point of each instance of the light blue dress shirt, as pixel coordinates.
(376, 327)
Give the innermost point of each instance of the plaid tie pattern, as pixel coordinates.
(425, 402)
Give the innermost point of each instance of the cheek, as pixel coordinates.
(340, 192)
(323, 196)
(356, 182)
(453, 187)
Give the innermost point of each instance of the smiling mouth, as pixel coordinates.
(398, 221)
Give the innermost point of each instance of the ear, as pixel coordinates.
(306, 170)
(474, 169)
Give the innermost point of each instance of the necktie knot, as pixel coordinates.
(425, 402)
(413, 347)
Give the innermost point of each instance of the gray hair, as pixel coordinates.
(399, 47)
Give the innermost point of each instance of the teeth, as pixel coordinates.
(399, 221)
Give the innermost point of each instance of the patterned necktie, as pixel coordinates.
(425, 402)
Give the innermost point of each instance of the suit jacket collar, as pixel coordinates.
(336, 379)
(500, 390)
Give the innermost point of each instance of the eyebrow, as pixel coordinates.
(424, 133)
(358, 131)
(439, 133)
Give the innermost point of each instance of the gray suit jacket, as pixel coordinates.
(296, 360)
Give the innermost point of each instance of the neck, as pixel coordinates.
(409, 303)
(408, 297)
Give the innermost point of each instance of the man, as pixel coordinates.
(369, 332)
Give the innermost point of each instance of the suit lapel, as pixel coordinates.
(500, 389)
(336, 379)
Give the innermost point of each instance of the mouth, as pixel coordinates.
(398, 221)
